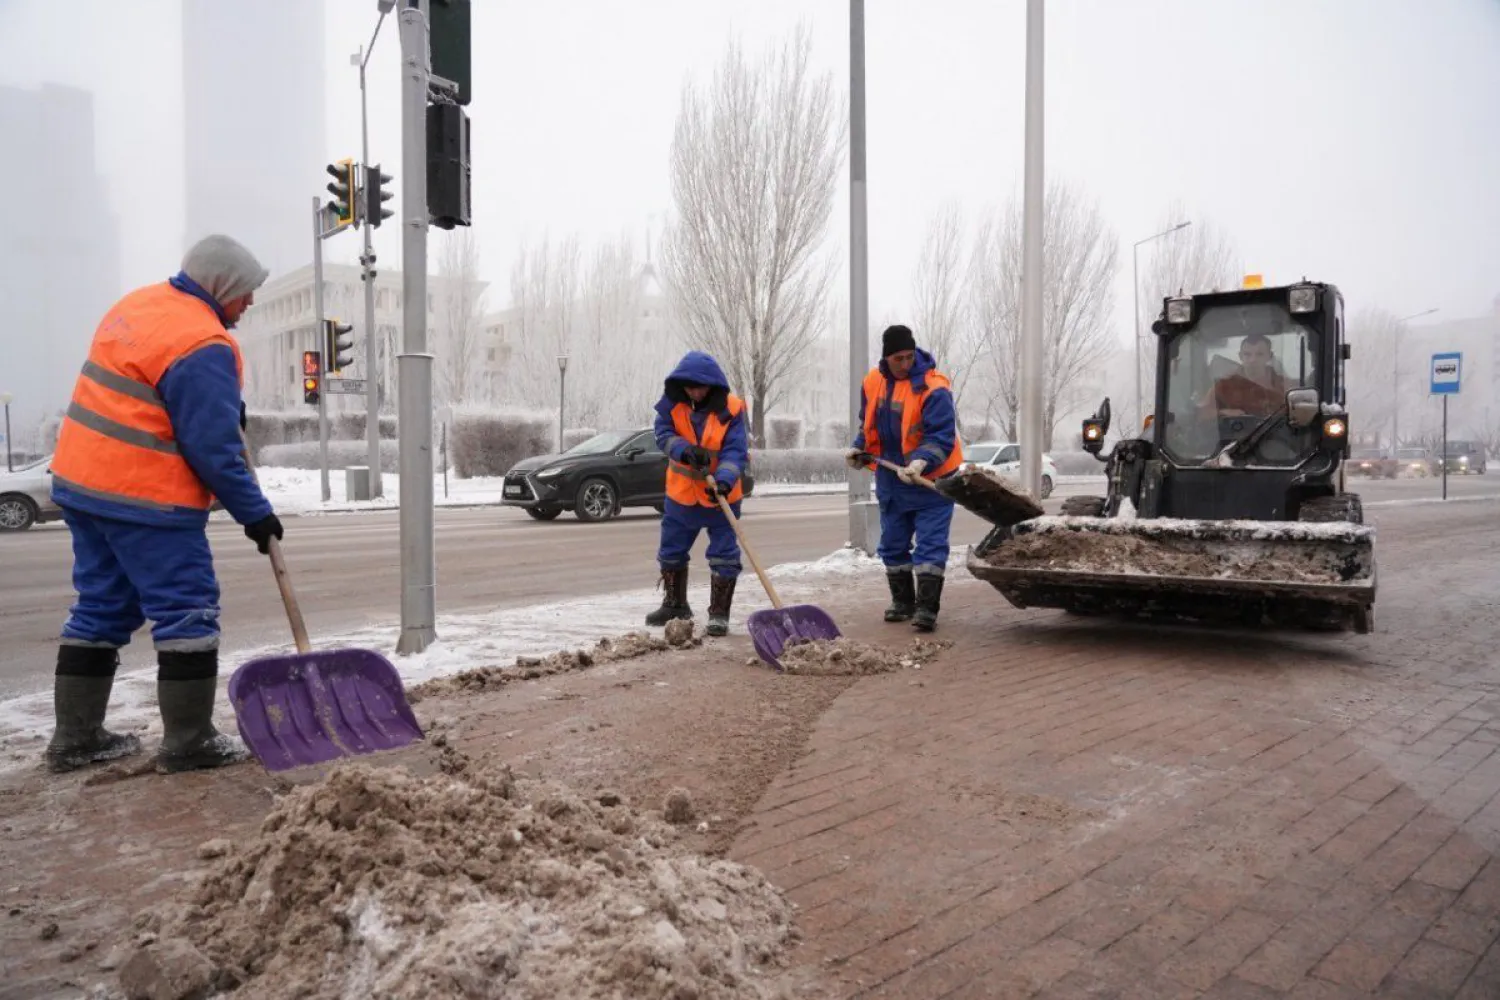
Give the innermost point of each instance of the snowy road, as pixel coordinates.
(346, 566)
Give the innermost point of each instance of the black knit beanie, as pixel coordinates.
(895, 340)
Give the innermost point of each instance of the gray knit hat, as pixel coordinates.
(223, 268)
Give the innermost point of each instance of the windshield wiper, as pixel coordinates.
(1242, 446)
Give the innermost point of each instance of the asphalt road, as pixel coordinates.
(347, 567)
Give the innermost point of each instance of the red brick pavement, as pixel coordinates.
(1070, 808)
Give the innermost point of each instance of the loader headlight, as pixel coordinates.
(1335, 428)
(1303, 299)
(1179, 310)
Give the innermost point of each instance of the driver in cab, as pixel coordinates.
(1257, 389)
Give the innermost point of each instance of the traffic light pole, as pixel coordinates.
(414, 366)
(367, 275)
(317, 217)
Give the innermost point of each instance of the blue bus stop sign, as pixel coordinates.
(1446, 370)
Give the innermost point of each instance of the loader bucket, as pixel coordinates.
(1286, 573)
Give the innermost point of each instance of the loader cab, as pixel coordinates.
(1249, 410)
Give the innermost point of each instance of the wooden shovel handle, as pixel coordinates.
(739, 533)
(283, 578)
(898, 470)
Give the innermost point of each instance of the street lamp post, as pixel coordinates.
(5, 398)
(562, 395)
(1033, 200)
(1396, 377)
(1135, 291)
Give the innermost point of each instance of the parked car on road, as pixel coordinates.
(595, 479)
(26, 496)
(1464, 458)
(1372, 462)
(1004, 457)
(1413, 462)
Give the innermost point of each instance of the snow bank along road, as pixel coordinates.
(346, 567)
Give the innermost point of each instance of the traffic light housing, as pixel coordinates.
(344, 189)
(375, 194)
(312, 376)
(449, 43)
(447, 166)
(338, 344)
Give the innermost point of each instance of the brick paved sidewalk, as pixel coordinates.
(1075, 808)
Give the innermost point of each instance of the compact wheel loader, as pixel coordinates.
(1231, 502)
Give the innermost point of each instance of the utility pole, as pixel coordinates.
(864, 515)
(1396, 378)
(10, 465)
(1135, 291)
(367, 276)
(414, 366)
(1031, 258)
(318, 235)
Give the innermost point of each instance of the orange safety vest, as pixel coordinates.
(907, 402)
(687, 485)
(116, 442)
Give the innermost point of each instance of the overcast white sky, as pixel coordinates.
(1354, 141)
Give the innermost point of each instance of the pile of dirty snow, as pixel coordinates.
(376, 883)
(846, 657)
(679, 635)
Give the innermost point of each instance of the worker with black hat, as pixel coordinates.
(907, 417)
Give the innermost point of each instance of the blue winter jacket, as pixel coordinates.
(939, 431)
(701, 368)
(201, 392)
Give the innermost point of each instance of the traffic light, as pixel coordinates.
(448, 41)
(375, 193)
(312, 371)
(338, 344)
(447, 166)
(344, 189)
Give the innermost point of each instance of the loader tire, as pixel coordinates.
(1344, 507)
(1083, 507)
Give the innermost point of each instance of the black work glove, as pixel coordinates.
(261, 532)
(697, 456)
(713, 492)
(244, 420)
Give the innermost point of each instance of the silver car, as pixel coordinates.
(26, 496)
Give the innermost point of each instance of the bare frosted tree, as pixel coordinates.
(1082, 255)
(942, 309)
(1372, 335)
(544, 291)
(755, 164)
(458, 306)
(1200, 258)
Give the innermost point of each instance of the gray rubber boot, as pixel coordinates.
(85, 675)
(720, 599)
(674, 603)
(903, 595)
(186, 686)
(929, 600)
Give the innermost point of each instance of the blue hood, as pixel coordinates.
(923, 365)
(699, 367)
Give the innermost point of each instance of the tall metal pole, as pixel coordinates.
(1396, 377)
(414, 366)
(864, 532)
(1445, 446)
(1135, 291)
(1031, 258)
(562, 395)
(367, 275)
(317, 217)
(10, 465)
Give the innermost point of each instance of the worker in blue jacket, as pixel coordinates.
(150, 441)
(700, 427)
(907, 417)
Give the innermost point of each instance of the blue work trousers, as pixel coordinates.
(680, 525)
(125, 573)
(914, 532)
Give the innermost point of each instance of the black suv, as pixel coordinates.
(594, 479)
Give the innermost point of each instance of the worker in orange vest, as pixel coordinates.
(907, 417)
(700, 426)
(151, 438)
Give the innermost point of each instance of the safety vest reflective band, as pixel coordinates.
(116, 442)
(908, 403)
(687, 485)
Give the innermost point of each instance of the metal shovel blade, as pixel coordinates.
(774, 629)
(309, 708)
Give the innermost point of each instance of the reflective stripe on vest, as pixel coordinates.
(116, 441)
(908, 404)
(687, 485)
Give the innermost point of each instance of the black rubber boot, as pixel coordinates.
(85, 675)
(929, 599)
(720, 598)
(186, 684)
(903, 596)
(674, 603)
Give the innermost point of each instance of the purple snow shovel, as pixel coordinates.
(309, 708)
(774, 630)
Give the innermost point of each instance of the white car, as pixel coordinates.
(1004, 457)
(26, 496)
